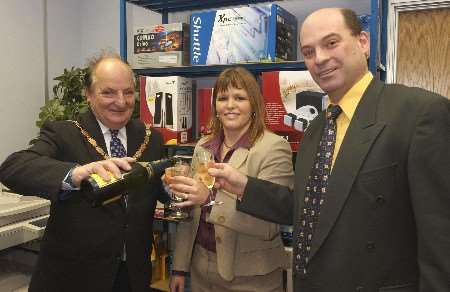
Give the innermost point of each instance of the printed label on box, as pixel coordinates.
(292, 100)
(204, 108)
(166, 103)
(243, 34)
(161, 45)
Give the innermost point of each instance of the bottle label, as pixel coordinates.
(101, 182)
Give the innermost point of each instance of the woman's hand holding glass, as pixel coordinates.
(186, 190)
(180, 169)
(191, 191)
(196, 190)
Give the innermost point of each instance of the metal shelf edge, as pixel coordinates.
(182, 5)
(214, 70)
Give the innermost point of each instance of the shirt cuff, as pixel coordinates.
(67, 185)
(179, 273)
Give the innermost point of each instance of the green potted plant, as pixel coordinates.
(68, 101)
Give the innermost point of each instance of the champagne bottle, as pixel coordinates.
(99, 192)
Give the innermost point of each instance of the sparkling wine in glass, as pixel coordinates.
(179, 169)
(205, 160)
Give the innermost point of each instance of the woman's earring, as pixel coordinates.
(253, 115)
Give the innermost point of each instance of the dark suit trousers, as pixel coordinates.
(122, 281)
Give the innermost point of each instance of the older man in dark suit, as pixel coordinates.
(371, 200)
(85, 248)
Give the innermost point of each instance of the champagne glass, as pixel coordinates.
(204, 161)
(179, 169)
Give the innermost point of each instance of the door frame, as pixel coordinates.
(394, 8)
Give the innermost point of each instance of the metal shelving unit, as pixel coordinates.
(167, 6)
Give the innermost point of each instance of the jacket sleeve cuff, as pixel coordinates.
(179, 273)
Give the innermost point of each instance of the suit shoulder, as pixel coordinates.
(53, 124)
(60, 127)
(270, 137)
(156, 137)
(402, 101)
(137, 124)
(140, 126)
(156, 133)
(419, 95)
(203, 140)
(269, 140)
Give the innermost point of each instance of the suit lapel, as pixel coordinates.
(134, 139)
(361, 134)
(90, 124)
(238, 158)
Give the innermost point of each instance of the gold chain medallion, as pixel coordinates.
(97, 148)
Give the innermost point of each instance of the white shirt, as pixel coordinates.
(122, 135)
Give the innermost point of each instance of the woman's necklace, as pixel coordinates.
(225, 144)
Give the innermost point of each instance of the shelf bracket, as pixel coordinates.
(123, 29)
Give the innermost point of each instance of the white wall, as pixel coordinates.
(99, 25)
(64, 37)
(22, 72)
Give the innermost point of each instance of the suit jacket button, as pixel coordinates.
(218, 240)
(221, 219)
(370, 245)
(380, 200)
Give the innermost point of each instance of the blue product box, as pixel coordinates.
(257, 33)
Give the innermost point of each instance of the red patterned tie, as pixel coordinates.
(316, 189)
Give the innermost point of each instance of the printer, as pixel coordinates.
(22, 220)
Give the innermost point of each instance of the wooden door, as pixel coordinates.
(423, 49)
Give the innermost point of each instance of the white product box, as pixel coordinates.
(166, 103)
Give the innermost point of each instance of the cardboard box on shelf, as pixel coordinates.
(256, 33)
(160, 45)
(204, 108)
(166, 103)
(292, 101)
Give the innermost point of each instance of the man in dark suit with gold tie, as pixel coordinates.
(84, 248)
(370, 205)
